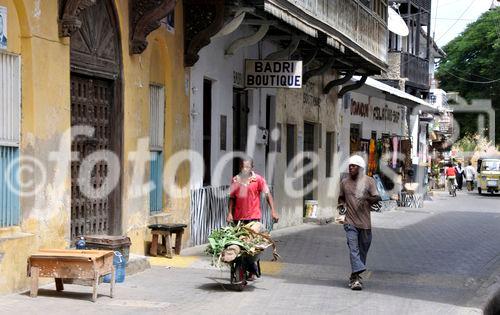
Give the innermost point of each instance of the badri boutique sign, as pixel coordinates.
(273, 74)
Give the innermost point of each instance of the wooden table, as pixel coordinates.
(71, 264)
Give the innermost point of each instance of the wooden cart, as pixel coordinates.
(71, 264)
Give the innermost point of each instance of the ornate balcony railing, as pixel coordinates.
(424, 4)
(415, 69)
(347, 22)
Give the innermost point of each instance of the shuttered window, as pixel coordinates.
(157, 116)
(10, 100)
(10, 126)
(156, 138)
(156, 195)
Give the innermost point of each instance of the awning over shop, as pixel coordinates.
(398, 93)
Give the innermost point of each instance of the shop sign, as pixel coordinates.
(359, 109)
(377, 113)
(273, 74)
(386, 114)
(238, 79)
(310, 97)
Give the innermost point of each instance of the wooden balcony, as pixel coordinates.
(424, 4)
(346, 22)
(415, 69)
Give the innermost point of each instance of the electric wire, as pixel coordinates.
(461, 15)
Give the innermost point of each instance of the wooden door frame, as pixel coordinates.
(117, 119)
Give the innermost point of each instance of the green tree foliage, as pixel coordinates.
(471, 67)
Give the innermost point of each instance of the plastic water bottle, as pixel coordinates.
(80, 244)
(119, 263)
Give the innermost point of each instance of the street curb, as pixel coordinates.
(137, 264)
(487, 297)
(492, 296)
(493, 307)
(319, 221)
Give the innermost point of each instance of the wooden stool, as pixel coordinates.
(166, 231)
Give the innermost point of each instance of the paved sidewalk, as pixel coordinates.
(441, 259)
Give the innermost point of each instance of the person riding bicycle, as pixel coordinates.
(244, 196)
(451, 177)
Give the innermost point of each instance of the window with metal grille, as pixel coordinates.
(156, 138)
(10, 126)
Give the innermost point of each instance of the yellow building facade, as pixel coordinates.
(92, 65)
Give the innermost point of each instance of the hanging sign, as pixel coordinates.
(273, 74)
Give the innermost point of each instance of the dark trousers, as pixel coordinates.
(460, 181)
(358, 241)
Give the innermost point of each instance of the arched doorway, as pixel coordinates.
(96, 102)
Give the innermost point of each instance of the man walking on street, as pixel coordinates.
(358, 192)
(460, 172)
(244, 203)
(244, 195)
(469, 173)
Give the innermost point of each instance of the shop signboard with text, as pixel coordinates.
(273, 74)
(376, 112)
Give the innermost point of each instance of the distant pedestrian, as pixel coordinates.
(358, 192)
(460, 174)
(470, 174)
(451, 177)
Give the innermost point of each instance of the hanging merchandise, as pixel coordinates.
(372, 159)
(386, 155)
(379, 155)
(395, 142)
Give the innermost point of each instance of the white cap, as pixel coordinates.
(357, 160)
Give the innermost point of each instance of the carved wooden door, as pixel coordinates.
(91, 105)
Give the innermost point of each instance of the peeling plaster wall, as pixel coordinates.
(45, 215)
(215, 66)
(295, 107)
(290, 108)
(162, 62)
(45, 101)
(394, 70)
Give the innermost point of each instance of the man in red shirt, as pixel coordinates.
(245, 191)
(244, 203)
(451, 174)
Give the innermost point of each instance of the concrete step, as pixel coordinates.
(136, 264)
